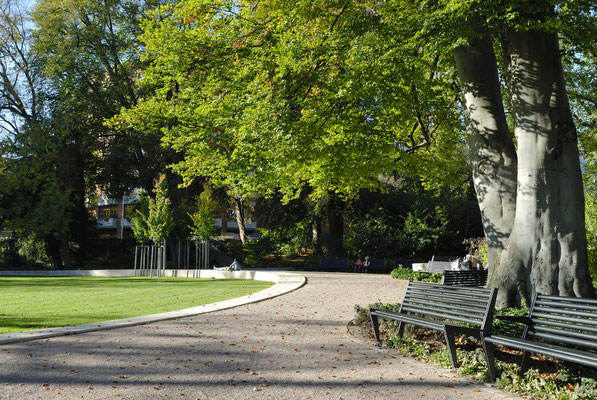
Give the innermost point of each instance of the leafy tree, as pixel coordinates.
(406, 221)
(89, 53)
(159, 218)
(280, 95)
(140, 217)
(33, 199)
(203, 216)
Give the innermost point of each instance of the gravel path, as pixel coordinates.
(291, 347)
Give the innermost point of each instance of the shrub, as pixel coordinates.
(410, 275)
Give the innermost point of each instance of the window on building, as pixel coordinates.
(107, 212)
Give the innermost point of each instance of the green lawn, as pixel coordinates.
(35, 303)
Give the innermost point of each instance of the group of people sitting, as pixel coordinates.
(469, 262)
(362, 266)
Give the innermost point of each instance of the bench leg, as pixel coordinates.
(401, 326)
(451, 343)
(525, 363)
(489, 350)
(374, 323)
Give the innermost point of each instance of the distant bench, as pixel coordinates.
(442, 308)
(559, 327)
(438, 266)
(377, 264)
(474, 277)
(334, 264)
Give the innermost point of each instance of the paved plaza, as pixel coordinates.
(295, 346)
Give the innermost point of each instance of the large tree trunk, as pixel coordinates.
(52, 246)
(546, 251)
(316, 236)
(335, 238)
(493, 156)
(532, 206)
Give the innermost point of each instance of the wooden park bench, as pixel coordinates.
(333, 264)
(450, 309)
(558, 327)
(474, 277)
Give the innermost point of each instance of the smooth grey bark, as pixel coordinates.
(493, 156)
(532, 205)
(548, 239)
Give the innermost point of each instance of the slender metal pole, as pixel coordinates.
(188, 256)
(196, 257)
(206, 245)
(164, 259)
(135, 265)
(152, 260)
(144, 260)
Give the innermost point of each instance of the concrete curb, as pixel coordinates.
(284, 283)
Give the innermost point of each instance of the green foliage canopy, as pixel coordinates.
(203, 216)
(280, 95)
(140, 217)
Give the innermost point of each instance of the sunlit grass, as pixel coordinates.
(33, 303)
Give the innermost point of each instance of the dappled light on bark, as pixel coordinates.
(532, 206)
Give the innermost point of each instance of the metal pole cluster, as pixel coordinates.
(150, 260)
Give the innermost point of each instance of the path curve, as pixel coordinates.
(288, 347)
(283, 283)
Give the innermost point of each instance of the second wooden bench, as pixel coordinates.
(450, 309)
